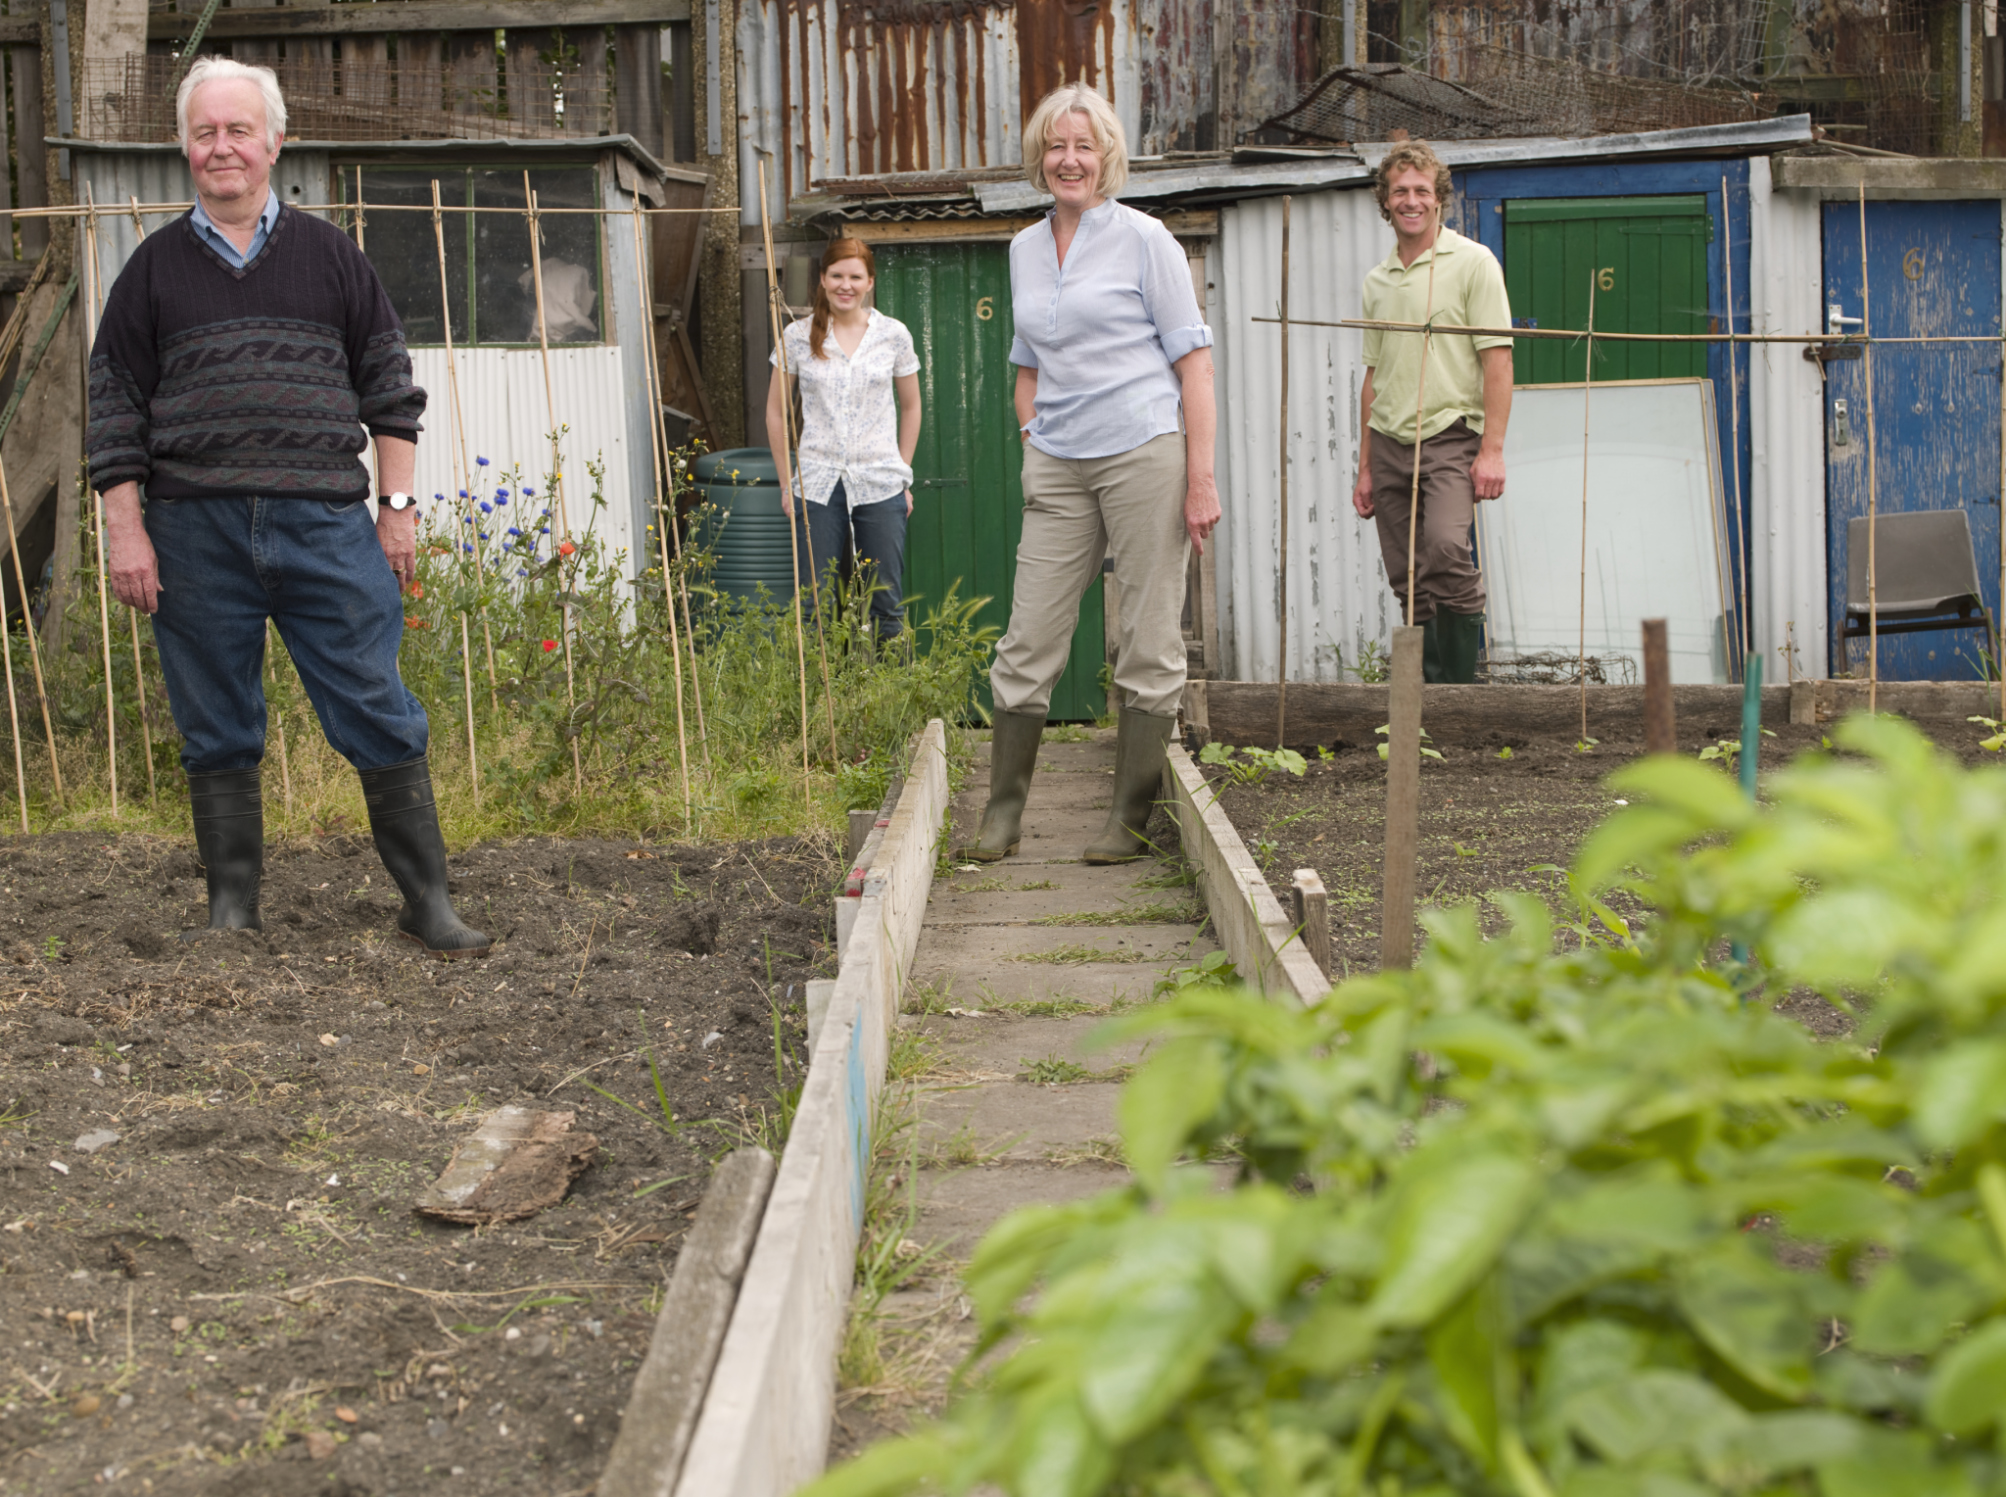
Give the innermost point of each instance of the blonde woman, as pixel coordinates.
(1114, 399)
(854, 487)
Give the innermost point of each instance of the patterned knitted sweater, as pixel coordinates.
(207, 380)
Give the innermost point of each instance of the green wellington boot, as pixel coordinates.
(1138, 779)
(1461, 637)
(1013, 754)
(1431, 652)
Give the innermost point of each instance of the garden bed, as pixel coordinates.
(1488, 823)
(235, 1296)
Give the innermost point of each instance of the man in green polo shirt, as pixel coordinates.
(1433, 275)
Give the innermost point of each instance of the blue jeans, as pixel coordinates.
(867, 537)
(316, 570)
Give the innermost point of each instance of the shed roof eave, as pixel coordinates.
(641, 155)
(1746, 135)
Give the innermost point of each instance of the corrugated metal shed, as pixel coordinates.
(155, 174)
(1786, 415)
(1338, 598)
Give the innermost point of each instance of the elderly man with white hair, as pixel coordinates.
(245, 350)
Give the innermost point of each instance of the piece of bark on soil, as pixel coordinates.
(514, 1164)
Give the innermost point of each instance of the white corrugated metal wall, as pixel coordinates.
(1338, 597)
(1786, 407)
(508, 422)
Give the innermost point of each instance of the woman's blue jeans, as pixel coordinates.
(317, 571)
(869, 538)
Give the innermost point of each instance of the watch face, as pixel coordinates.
(402, 501)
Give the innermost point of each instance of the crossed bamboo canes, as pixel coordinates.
(9, 340)
(102, 568)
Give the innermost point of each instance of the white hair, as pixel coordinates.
(212, 69)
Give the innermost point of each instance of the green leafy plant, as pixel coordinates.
(1385, 731)
(1252, 765)
(1505, 752)
(1728, 750)
(1212, 970)
(1997, 740)
(1623, 1233)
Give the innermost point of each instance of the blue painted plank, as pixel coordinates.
(1933, 270)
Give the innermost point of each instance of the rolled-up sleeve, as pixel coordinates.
(1489, 305)
(1167, 292)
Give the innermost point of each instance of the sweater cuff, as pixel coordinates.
(407, 430)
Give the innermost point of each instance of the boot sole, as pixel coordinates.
(983, 855)
(466, 953)
(1105, 860)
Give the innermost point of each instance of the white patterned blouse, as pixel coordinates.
(849, 420)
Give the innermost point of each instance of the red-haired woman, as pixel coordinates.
(856, 445)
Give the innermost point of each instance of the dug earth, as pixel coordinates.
(212, 1279)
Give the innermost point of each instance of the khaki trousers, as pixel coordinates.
(1077, 510)
(1445, 574)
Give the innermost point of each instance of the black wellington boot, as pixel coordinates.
(230, 840)
(1138, 781)
(406, 826)
(1462, 641)
(1433, 671)
(1013, 756)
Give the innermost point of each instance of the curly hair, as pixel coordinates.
(1412, 155)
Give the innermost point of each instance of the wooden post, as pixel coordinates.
(1420, 407)
(14, 713)
(1587, 389)
(1309, 910)
(1403, 801)
(92, 295)
(557, 478)
(1282, 461)
(861, 823)
(1661, 735)
(658, 444)
(1873, 507)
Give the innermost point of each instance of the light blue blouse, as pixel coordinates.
(1103, 330)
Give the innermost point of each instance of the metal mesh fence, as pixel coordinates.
(132, 99)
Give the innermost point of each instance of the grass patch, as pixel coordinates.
(1076, 955)
(1135, 914)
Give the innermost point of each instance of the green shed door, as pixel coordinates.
(968, 502)
(1648, 260)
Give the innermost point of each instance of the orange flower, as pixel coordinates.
(565, 548)
(549, 645)
(411, 621)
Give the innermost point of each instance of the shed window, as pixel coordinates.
(488, 270)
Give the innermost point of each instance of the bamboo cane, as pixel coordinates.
(1420, 397)
(91, 307)
(463, 477)
(668, 517)
(791, 440)
(1282, 542)
(279, 723)
(1873, 507)
(467, 678)
(1587, 389)
(1741, 557)
(14, 709)
(34, 646)
(132, 614)
(658, 445)
(359, 244)
(557, 477)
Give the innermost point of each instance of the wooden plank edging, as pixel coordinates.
(765, 1424)
(1246, 916)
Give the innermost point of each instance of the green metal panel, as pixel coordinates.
(968, 502)
(1648, 260)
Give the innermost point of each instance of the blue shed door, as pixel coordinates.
(1933, 270)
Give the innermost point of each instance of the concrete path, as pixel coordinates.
(1019, 962)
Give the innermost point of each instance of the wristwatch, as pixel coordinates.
(398, 501)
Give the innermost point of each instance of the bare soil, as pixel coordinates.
(235, 1297)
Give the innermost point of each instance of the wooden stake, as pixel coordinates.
(467, 677)
(1420, 397)
(791, 440)
(34, 645)
(358, 212)
(14, 708)
(1587, 388)
(658, 444)
(278, 722)
(1661, 734)
(1741, 558)
(132, 614)
(1282, 544)
(1310, 912)
(557, 477)
(92, 299)
(1403, 801)
(1873, 507)
(464, 477)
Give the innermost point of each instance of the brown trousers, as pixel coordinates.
(1445, 573)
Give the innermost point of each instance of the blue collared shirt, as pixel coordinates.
(1103, 331)
(217, 240)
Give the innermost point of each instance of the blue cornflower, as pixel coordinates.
(440, 497)
(480, 462)
(527, 491)
(466, 519)
(482, 534)
(466, 546)
(513, 531)
(522, 571)
(543, 530)
(500, 495)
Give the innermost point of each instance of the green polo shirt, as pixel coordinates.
(1469, 291)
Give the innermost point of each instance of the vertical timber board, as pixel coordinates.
(637, 87)
(765, 1425)
(32, 165)
(532, 103)
(1934, 270)
(968, 496)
